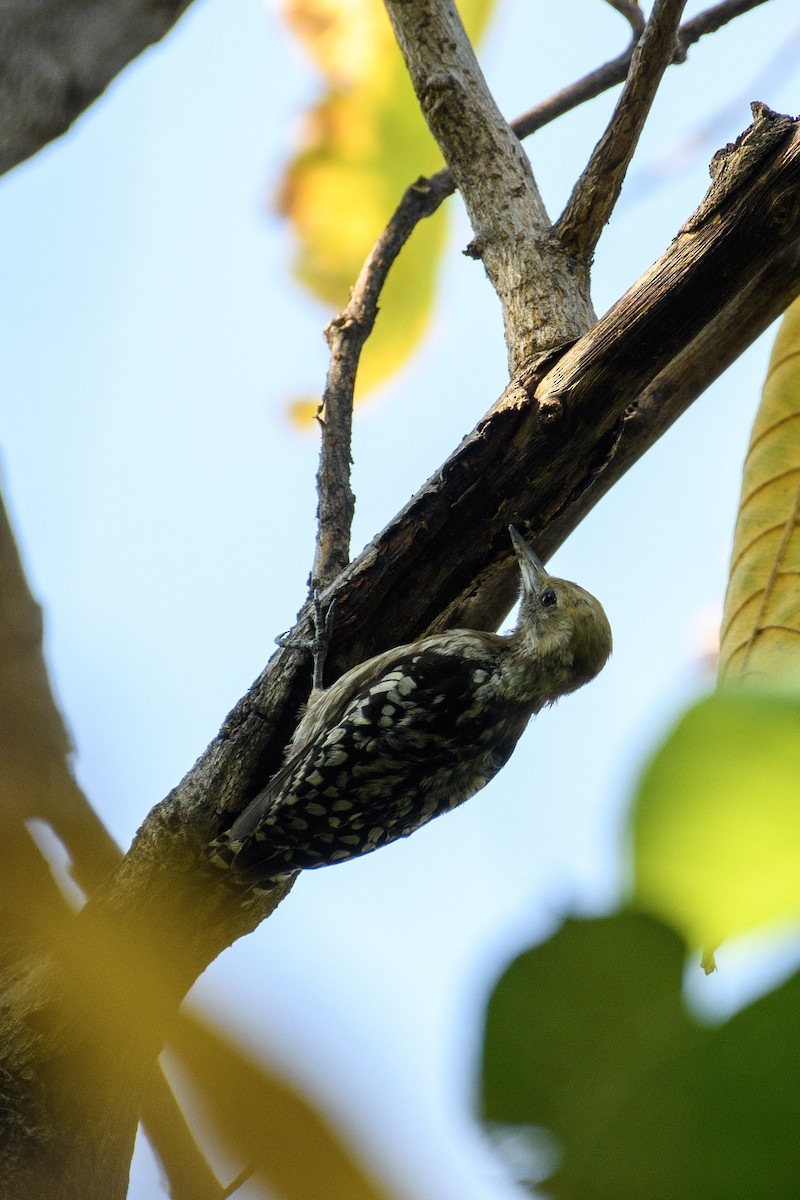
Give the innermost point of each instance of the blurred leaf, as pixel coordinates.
(717, 820)
(364, 142)
(761, 621)
(265, 1121)
(587, 1037)
(303, 410)
(716, 826)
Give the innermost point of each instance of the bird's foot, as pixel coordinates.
(317, 646)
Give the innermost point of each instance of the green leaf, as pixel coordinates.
(587, 1037)
(716, 824)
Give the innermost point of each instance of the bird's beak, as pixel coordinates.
(531, 566)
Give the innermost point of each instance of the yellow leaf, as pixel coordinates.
(364, 143)
(263, 1120)
(303, 411)
(339, 35)
(760, 635)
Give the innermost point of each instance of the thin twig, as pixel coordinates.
(346, 335)
(629, 9)
(597, 190)
(712, 19)
(614, 71)
(336, 502)
(575, 94)
(708, 133)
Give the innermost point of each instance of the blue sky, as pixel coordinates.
(165, 508)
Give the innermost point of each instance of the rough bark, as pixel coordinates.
(58, 56)
(544, 293)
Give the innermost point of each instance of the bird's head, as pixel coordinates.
(560, 624)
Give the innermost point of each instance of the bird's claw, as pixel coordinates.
(317, 646)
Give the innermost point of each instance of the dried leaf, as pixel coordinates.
(760, 634)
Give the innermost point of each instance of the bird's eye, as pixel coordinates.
(547, 598)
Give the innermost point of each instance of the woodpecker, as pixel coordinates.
(415, 731)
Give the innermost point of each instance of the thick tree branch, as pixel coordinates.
(544, 302)
(597, 190)
(564, 431)
(58, 56)
(750, 312)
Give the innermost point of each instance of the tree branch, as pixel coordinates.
(58, 56)
(348, 333)
(543, 301)
(714, 18)
(750, 312)
(336, 502)
(597, 190)
(629, 9)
